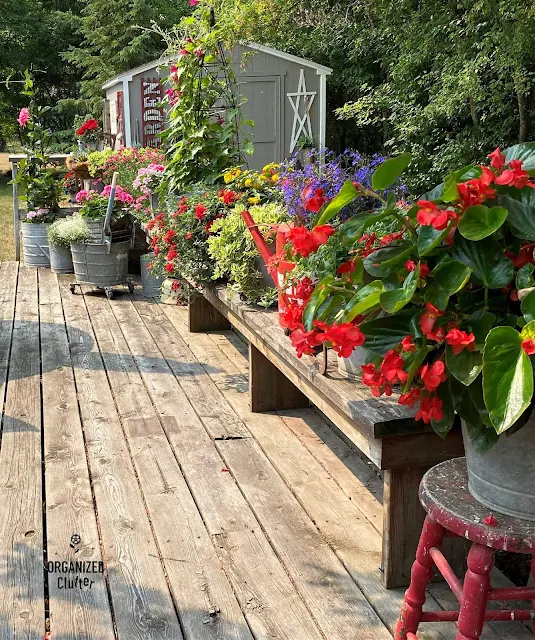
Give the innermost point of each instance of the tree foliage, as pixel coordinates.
(447, 81)
(117, 36)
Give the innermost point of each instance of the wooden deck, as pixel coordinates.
(127, 441)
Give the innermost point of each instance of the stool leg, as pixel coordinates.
(475, 592)
(421, 574)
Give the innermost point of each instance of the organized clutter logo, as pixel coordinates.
(75, 574)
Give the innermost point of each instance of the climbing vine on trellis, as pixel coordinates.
(205, 119)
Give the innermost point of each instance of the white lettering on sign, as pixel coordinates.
(152, 114)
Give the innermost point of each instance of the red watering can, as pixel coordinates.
(276, 272)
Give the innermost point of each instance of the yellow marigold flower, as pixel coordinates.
(254, 200)
(275, 177)
(262, 178)
(237, 172)
(228, 177)
(248, 182)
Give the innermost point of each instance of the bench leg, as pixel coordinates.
(203, 316)
(403, 518)
(269, 389)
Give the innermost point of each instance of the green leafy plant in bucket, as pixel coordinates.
(235, 253)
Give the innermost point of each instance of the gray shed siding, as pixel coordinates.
(263, 80)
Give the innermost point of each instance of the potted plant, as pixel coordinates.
(148, 180)
(35, 239)
(61, 234)
(94, 206)
(88, 132)
(236, 255)
(450, 317)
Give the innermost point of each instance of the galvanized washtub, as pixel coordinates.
(35, 244)
(103, 265)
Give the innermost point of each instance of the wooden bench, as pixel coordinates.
(385, 432)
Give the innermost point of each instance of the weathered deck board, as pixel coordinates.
(316, 571)
(74, 613)
(213, 523)
(270, 603)
(207, 606)
(21, 519)
(141, 600)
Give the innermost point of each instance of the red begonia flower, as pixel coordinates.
(316, 201)
(430, 409)
(429, 214)
(432, 375)
(169, 236)
(304, 341)
(529, 347)
(375, 380)
(497, 158)
(459, 340)
(408, 345)
(343, 337)
(392, 367)
(428, 319)
(411, 398)
(200, 211)
(346, 267)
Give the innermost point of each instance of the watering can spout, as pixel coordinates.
(258, 238)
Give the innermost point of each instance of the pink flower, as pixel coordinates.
(193, 3)
(24, 116)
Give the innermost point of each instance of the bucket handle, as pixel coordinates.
(107, 221)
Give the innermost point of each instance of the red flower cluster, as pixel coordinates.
(200, 211)
(429, 214)
(89, 125)
(306, 242)
(410, 265)
(228, 197)
(343, 337)
(459, 340)
(515, 176)
(478, 190)
(430, 409)
(314, 199)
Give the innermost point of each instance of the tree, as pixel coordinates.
(117, 36)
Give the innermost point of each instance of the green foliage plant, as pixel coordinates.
(39, 182)
(204, 136)
(446, 306)
(65, 231)
(236, 255)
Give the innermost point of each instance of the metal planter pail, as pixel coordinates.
(61, 259)
(503, 478)
(35, 244)
(101, 265)
(152, 285)
(97, 230)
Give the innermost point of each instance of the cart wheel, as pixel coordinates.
(109, 294)
(72, 287)
(131, 287)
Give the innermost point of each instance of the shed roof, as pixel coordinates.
(128, 75)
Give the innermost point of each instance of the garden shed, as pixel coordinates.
(285, 97)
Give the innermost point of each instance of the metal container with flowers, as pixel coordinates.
(88, 132)
(35, 227)
(93, 210)
(445, 307)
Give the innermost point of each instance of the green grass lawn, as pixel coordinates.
(7, 249)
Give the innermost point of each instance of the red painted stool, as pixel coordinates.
(452, 511)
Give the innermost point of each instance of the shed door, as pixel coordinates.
(264, 108)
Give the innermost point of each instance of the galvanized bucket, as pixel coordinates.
(503, 478)
(101, 265)
(169, 296)
(351, 367)
(152, 285)
(61, 259)
(35, 244)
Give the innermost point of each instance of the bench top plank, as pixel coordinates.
(375, 425)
